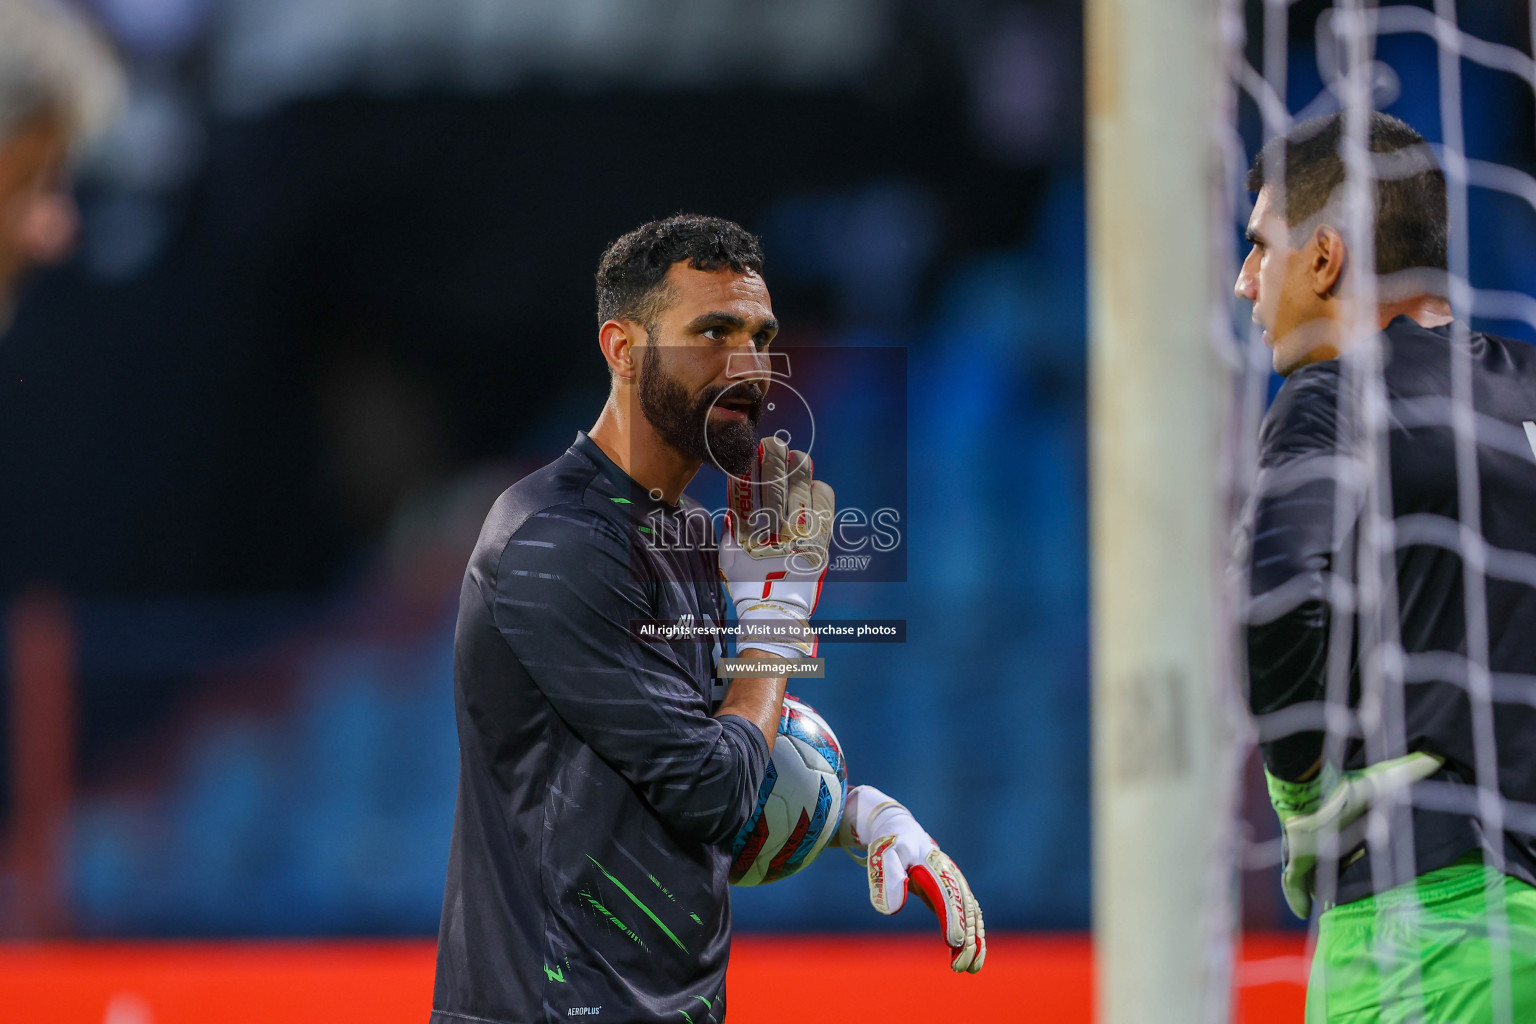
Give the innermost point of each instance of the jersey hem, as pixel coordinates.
(447, 1016)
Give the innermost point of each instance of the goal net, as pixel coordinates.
(1182, 96)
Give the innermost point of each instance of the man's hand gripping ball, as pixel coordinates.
(773, 556)
(899, 855)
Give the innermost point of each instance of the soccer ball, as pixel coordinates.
(799, 804)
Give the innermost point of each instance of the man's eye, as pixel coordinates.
(762, 341)
(715, 333)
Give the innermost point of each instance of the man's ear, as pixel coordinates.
(1328, 259)
(619, 339)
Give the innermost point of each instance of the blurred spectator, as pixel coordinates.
(59, 84)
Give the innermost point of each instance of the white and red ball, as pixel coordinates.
(799, 804)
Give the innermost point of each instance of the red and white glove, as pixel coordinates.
(882, 834)
(773, 556)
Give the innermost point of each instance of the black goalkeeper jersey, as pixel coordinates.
(586, 877)
(1306, 536)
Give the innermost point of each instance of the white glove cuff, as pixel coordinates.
(871, 814)
(857, 827)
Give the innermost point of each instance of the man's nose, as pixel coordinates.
(1247, 286)
(46, 227)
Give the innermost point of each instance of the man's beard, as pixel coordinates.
(684, 423)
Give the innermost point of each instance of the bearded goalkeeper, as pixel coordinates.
(1412, 924)
(602, 776)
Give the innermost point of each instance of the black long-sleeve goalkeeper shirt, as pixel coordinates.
(1307, 561)
(586, 877)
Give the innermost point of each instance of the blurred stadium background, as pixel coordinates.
(333, 294)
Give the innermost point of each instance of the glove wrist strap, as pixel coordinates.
(789, 652)
(1290, 799)
(799, 642)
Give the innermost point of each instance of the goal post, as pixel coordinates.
(1163, 784)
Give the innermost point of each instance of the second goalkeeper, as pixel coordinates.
(1436, 920)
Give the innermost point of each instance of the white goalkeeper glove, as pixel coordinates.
(882, 834)
(1330, 804)
(773, 556)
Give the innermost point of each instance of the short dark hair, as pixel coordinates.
(1412, 227)
(631, 272)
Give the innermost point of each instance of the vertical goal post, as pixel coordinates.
(1165, 772)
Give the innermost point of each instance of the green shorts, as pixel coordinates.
(1423, 953)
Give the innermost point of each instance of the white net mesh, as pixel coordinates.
(1367, 58)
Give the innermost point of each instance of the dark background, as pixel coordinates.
(335, 292)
